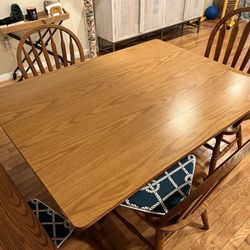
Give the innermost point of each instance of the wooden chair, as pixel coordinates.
(189, 209)
(241, 48)
(62, 54)
(20, 228)
(222, 49)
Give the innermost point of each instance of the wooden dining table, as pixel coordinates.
(96, 132)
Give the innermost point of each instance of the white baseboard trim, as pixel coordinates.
(8, 76)
(86, 52)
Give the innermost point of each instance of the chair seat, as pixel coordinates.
(57, 227)
(166, 191)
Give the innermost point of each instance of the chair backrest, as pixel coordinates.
(55, 49)
(20, 229)
(232, 41)
(199, 196)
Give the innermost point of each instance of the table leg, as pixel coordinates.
(100, 238)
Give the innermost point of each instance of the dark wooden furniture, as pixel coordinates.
(87, 130)
(189, 209)
(222, 42)
(20, 228)
(63, 56)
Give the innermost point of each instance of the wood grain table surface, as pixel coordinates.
(96, 132)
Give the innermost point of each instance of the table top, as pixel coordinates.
(96, 132)
(25, 25)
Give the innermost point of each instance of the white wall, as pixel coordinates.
(5, 6)
(209, 3)
(76, 23)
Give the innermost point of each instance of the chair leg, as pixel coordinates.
(132, 229)
(239, 137)
(205, 221)
(99, 226)
(159, 239)
(100, 237)
(216, 153)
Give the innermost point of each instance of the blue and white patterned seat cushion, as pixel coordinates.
(57, 227)
(166, 191)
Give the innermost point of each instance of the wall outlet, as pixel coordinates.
(7, 42)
